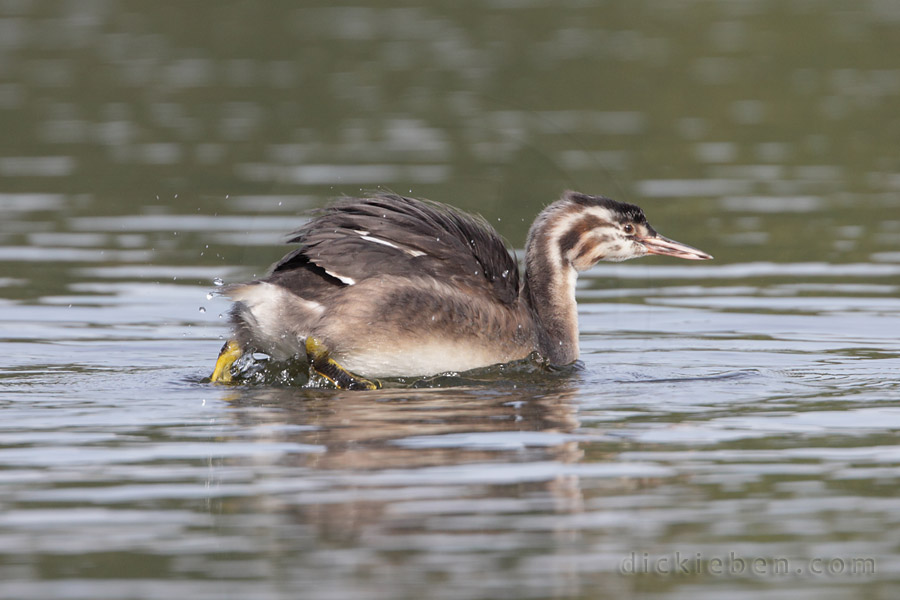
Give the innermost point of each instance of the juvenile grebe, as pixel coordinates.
(388, 286)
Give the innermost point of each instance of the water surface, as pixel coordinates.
(732, 431)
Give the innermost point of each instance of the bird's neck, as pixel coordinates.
(549, 290)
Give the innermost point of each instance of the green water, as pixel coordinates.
(733, 431)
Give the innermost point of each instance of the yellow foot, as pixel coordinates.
(230, 352)
(328, 368)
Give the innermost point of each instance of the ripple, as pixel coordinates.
(495, 440)
(39, 254)
(744, 270)
(679, 188)
(345, 174)
(184, 223)
(31, 202)
(37, 166)
(772, 204)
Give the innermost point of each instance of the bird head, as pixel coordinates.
(594, 228)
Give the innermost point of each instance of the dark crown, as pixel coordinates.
(624, 212)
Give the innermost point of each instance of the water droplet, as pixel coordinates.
(209, 295)
(202, 309)
(505, 273)
(220, 316)
(217, 281)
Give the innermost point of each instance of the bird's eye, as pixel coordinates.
(628, 228)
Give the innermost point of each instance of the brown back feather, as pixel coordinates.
(453, 245)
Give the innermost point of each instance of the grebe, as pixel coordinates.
(388, 286)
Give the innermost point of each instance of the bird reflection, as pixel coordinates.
(367, 429)
(405, 475)
(366, 434)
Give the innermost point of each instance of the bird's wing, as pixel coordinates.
(358, 238)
